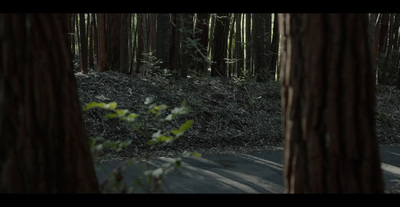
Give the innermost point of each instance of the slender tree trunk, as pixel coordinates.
(152, 34)
(163, 39)
(113, 29)
(261, 46)
(185, 22)
(211, 36)
(220, 42)
(230, 47)
(102, 55)
(43, 143)
(372, 33)
(74, 34)
(328, 102)
(202, 25)
(140, 40)
(174, 46)
(238, 45)
(248, 42)
(124, 58)
(91, 42)
(134, 43)
(95, 38)
(275, 47)
(382, 72)
(84, 45)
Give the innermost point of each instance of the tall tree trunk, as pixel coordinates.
(152, 32)
(140, 42)
(239, 51)
(185, 22)
(230, 47)
(84, 44)
(163, 39)
(382, 72)
(102, 54)
(261, 39)
(124, 57)
(248, 43)
(275, 47)
(220, 43)
(74, 34)
(95, 38)
(372, 33)
(328, 102)
(43, 143)
(134, 43)
(91, 44)
(202, 25)
(113, 28)
(174, 46)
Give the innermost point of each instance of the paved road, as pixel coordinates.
(254, 172)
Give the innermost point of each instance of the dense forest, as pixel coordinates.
(222, 44)
(322, 87)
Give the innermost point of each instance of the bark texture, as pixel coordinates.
(43, 143)
(328, 102)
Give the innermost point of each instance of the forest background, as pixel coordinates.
(183, 44)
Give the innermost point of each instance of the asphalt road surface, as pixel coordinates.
(254, 172)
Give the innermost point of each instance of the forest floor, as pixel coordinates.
(229, 115)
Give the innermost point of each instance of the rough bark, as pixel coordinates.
(43, 143)
(102, 54)
(220, 44)
(113, 28)
(328, 102)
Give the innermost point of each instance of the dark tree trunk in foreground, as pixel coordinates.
(43, 143)
(220, 44)
(328, 102)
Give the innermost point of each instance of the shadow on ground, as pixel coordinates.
(253, 172)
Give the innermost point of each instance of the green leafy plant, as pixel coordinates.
(142, 123)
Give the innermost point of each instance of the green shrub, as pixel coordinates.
(141, 123)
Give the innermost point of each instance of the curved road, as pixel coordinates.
(253, 172)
